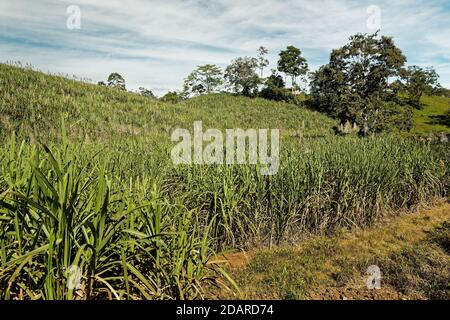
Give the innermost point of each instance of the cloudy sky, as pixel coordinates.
(155, 43)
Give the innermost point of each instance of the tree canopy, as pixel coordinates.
(115, 80)
(146, 93)
(292, 63)
(262, 60)
(355, 85)
(242, 77)
(204, 79)
(418, 81)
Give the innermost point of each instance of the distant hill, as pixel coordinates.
(32, 102)
(103, 194)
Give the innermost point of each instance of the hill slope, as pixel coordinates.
(434, 115)
(412, 252)
(101, 193)
(33, 102)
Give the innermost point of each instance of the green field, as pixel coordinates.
(433, 117)
(86, 180)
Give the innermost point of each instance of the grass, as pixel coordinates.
(433, 117)
(59, 209)
(87, 181)
(411, 252)
(33, 103)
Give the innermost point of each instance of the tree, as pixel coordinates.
(418, 81)
(115, 80)
(262, 60)
(146, 93)
(204, 79)
(354, 85)
(275, 80)
(443, 92)
(292, 63)
(172, 97)
(242, 77)
(101, 83)
(274, 88)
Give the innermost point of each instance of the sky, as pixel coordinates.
(155, 44)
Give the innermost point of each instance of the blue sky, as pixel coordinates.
(156, 43)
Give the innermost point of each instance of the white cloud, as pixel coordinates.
(156, 43)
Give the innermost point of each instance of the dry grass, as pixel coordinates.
(334, 267)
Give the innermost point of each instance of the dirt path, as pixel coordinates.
(411, 252)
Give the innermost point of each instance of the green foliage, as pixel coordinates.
(355, 87)
(433, 115)
(146, 93)
(418, 81)
(204, 79)
(274, 89)
(292, 63)
(275, 81)
(61, 208)
(172, 97)
(242, 77)
(116, 81)
(262, 60)
(101, 191)
(443, 92)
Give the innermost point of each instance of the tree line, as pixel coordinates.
(366, 82)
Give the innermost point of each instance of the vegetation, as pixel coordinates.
(116, 81)
(262, 60)
(419, 81)
(355, 87)
(172, 97)
(87, 181)
(146, 93)
(292, 63)
(433, 117)
(204, 79)
(242, 77)
(411, 251)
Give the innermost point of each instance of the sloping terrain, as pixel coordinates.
(412, 252)
(433, 116)
(33, 103)
(86, 180)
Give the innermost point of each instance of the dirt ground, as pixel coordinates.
(339, 270)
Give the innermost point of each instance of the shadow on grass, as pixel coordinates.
(443, 120)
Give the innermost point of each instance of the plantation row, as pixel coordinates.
(138, 227)
(92, 206)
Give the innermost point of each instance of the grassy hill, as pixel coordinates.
(101, 193)
(434, 115)
(33, 102)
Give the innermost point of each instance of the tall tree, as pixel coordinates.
(418, 81)
(146, 93)
(262, 60)
(274, 88)
(242, 77)
(115, 80)
(354, 85)
(204, 79)
(292, 63)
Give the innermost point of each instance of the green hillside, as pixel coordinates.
(32, 102)
(87, 181)
(434, 115)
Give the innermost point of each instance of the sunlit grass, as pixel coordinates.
(87, 180)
